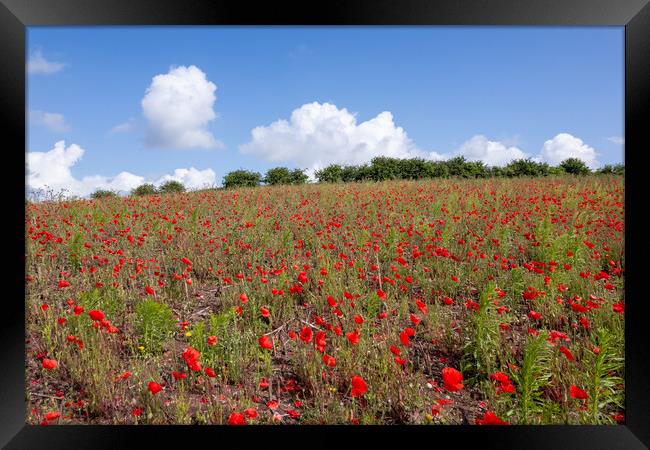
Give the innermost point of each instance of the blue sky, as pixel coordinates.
(489, 93)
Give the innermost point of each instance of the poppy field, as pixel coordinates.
(449, 301)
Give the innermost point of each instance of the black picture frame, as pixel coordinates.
(634, 15)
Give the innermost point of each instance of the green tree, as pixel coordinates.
(241, 178)
(413, 169)
(496, 171)
(616, 169)
(330, 174)
(575, 166)
(458, 167)
(437, 169)
(102, 193)
(144, 189)
(384, 168)
(171, 187)
(349, 173)
(298, 176)
(476, 169)
(277, 175)
(363, 173)
(282, 175)
(526, 168)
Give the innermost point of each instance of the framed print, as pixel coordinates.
(356, 219)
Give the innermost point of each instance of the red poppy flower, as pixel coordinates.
(534, 315)
(567, 353)
(63, 284)
(353, 337)
(251, 413)
(236, 419)
(302, 277)
(404, 338)
(578, 393)
(500, 377)
(319, 341)
(210, 372)
(264, 311)
(124, 376)
(50, 364)
(212, 340)
(556, 335)
(243, 298)
(265, 342)
(191, 357)
(179, 375)
(452, 378)
(381, 294)
(577, 307)
(359, 386)
(329, 360)
(149, 290)
(306, 334)
(52, 416)
(96, 314)
(154, 387)
(489, 418)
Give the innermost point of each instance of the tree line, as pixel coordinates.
(384, 168)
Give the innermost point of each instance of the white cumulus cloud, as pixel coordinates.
(318, 134)
(38, 64)
(179, 106)
(52, 121)
(564, 146)
(492, 153)
(51, 170)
